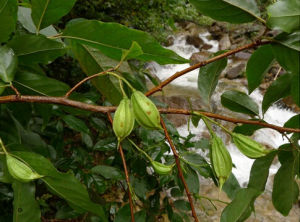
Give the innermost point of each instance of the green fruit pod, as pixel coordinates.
(160, 168)
(19, 170)
(123, 122)
(221, 160)
(248, 146)
(145, 111)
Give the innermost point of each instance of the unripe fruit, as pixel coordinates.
(19, 170)
(145, 111)
(160, 168)
(221, 160)
(123, 122)
(249, 147)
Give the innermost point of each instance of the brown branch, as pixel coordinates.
(86, 79)
(126, 173)
(18, 94)
(107, 109)
(198, 65)
(180, 174)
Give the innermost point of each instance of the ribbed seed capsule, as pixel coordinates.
(123, 122)
(145, 111)
(249, 147)
(160, 168)
(19, 170)
(221, 160)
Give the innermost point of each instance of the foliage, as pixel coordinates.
(62, 162)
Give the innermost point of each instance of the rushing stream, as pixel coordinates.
(274, 115)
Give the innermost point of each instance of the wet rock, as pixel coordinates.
(224, 42)
(199, 57)
(194, 40)
(236, 71)
(206, 47)
(242, 55)
(169, 41)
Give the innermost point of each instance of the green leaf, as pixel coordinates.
(283, 195)
(8, 18)
(295, 88)
(123, 214)
(260, 171)
(140, 216)
(93, 61)
(284, 15)
(108, 172)
(233, 11)
(47, 12)
(208, 78)
(231, 186)
(32, 49)
(289, 40)
(182, 205)
(288, 58)
(76, 124)
(39, 84)
(64, 185)
(134, 51)
(5, 177)
(239, 102)
(112, 38)
(192, 180)
(293, 122)
(24, 17)
(240, 205)
(8, 64)
(258, 65)
(26, 208)
(280, 88)
(247, 129)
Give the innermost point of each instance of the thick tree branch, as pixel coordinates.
(180, 174)
(107, 109)
(126, 174)
(198, 65)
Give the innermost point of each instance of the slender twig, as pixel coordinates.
(86, 79)
(203, 63)
(106, 109)
(18, 94)
(126, 174)
(177, 161)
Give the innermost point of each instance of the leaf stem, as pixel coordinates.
(3, 147)
(140, 150)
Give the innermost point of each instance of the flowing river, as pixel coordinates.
(186, 86)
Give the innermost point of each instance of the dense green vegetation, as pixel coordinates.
(59, 155)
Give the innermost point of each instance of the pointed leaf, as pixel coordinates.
(288, 58)
(233, 11)
(93, 61)
(26, 208)
(258, 65)
(47, 12)
(239, 102)
(8, 64)
(134, 51)
(108, 172)
(283, 195)
(247, 129)
(39, 84)
(293, 122)
(260, 171)
(290, 40)
(64, 185)
(280, 88)
(76, 124)
(284, 15)
(8, 18)
(32, 49)
(208, 78)
(112, 38)
(24, 17)
(240, 205)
